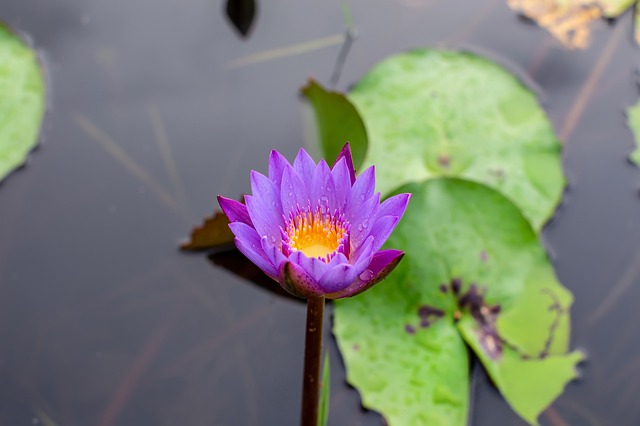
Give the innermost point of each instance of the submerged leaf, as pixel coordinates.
(236, 263)
(633, 121)
(471, 256)
(21, 103)
(242, 14)
(569, 21)
(431, 113)
(213, 233)
(338, 122)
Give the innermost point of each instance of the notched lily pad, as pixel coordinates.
(475, 269)
(22, 102)
(432, 113)
(338, 122)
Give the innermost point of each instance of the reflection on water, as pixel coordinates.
(103, 321)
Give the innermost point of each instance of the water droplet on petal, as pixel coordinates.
(366, 275)
(359, 227)
(273, 238)
(362, 197)
(365, 223)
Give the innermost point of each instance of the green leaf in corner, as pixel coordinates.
(474, 271)
(633, 121)
(338, 122)
(433, 113)
(22, 102)
(323, 413)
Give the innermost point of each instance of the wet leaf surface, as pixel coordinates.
(21, 103)
(471, 257)
(214, 233)
(338, 122)
(431, 113)
(241, 14)
(570, 21)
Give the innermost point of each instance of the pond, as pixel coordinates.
(155, 107)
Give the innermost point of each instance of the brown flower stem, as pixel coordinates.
(312, 356)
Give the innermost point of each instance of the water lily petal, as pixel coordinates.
(314, 266)
(273, 252)
(345, 153)
(362, 189)
(304, 165)
(298, 282)
(381, 265)
(338, 278)
(362, 257)
(381, 230)
(264, 207)
(362, 219)
(293, 193)
(322, 189)
(265, 222)
(234, 210)
(277, 164)
(248, 242)
(394, 206)
(341, 179)
(337, 260)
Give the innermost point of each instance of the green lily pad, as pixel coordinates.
(474, 269)
(633, 121)
(22, 102)
(432, 113)
(338, 122)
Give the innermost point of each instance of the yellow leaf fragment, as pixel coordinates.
(569, 21)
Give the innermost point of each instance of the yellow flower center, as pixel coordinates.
(315, 234)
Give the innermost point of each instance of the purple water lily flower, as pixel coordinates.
(317, 231)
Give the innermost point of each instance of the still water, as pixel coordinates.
(157, 106)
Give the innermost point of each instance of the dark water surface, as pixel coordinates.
(103, 322)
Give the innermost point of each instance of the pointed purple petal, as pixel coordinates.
(362, 190)
(346, 154)
(381, 230)
(235, 210)
(304, 165)
(293, 193)
(321, 191)
(277, 164)
(362, 257)
(342, 182)
(337, 259)
(264, 207)
(314, 266)
(382, 264)
(248, 242)
(295, 280)
(273, 253)
(338, 278)
(362, 219)
(394, 206)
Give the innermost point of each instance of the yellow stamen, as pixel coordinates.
(314, 234)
